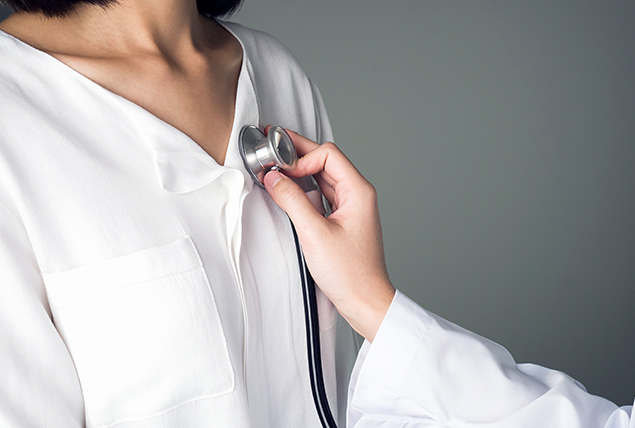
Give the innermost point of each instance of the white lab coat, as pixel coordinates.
(424, 371)
(144, 285)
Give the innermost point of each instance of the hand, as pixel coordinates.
(344, 251)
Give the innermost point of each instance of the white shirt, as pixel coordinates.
(144, 285)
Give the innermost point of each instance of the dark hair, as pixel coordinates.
(61, 8)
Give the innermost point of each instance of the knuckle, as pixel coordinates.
(369, 194)
(369, 190)
(330, 146)
(286, 190)
(290, 193)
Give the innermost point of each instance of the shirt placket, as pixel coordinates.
(233, 181)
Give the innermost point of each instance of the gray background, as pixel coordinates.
(501, 138)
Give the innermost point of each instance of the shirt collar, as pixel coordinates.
(181, 165)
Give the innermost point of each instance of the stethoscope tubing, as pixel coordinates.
(314, 353)
(260, 154)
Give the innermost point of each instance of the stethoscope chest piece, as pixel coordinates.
(262, 152)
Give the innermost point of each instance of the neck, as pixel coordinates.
(171, 28)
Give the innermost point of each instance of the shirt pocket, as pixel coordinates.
(144, 332)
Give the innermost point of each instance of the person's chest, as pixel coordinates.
(199, 100)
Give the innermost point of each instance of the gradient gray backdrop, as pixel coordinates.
(500, 136)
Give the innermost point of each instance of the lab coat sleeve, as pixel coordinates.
(38, 382)
(423, 371)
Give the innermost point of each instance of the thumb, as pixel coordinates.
(292, 199)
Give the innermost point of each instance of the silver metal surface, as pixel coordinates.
(261, 153)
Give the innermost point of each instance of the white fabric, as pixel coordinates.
(142, 284)
(424, 371)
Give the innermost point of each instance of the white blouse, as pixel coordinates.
(144, 285)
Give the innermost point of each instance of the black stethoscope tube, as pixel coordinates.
(260, 154)
(314, 354)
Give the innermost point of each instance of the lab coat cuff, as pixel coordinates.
(381, 367)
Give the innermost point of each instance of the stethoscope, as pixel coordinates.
(261, 154)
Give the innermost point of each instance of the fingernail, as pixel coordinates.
(272, 178)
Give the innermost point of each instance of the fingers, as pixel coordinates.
(327, 190)
(331, 160)
(326, 163)
(292, 199)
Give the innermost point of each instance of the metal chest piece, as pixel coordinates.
(261, 153)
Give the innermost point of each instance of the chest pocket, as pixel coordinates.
(144, 332)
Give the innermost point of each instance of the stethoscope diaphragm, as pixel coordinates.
(261, 153)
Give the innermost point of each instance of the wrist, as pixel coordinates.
(366, 312)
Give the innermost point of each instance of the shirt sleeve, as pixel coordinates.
(38, 382)
(424, 371)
